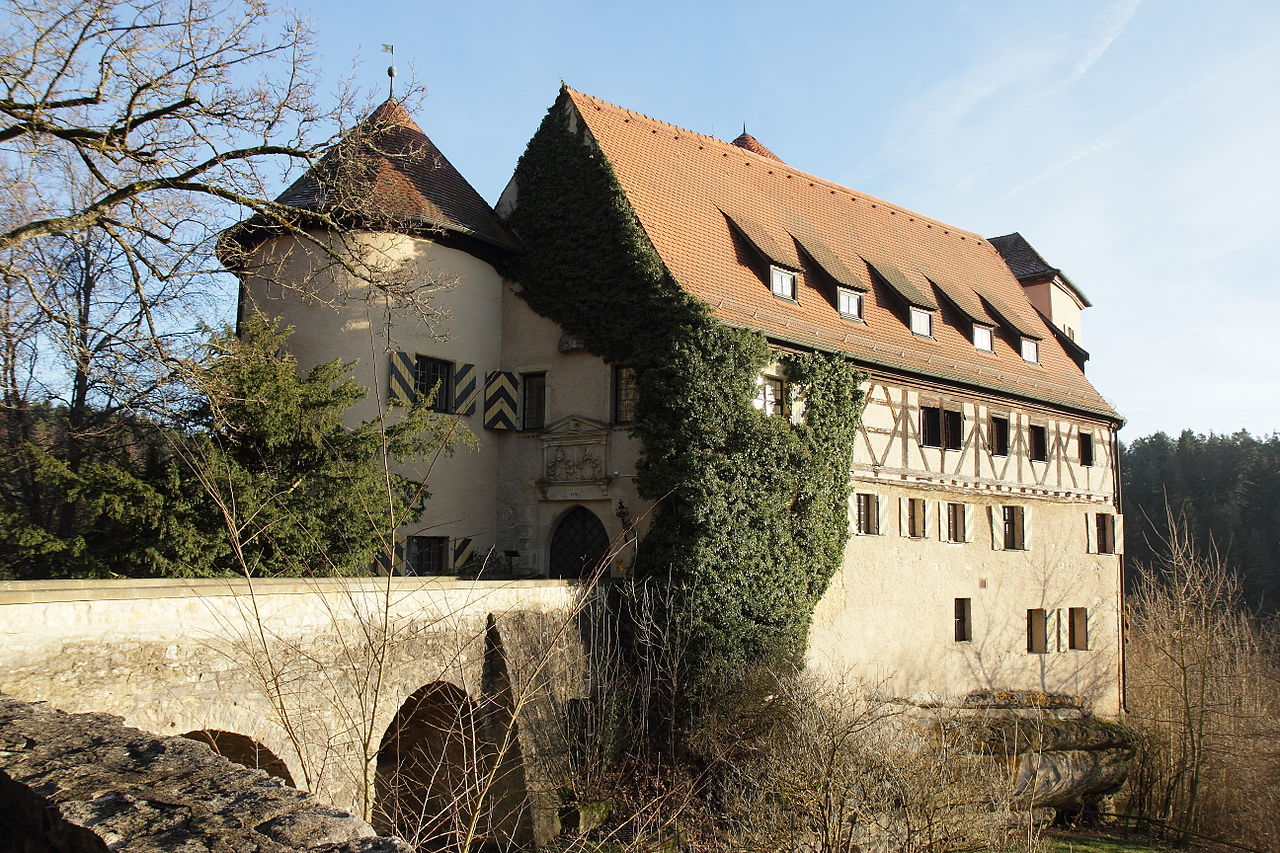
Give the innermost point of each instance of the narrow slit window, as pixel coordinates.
(1078, 628)
(1105, 526)
(955, 522)
(964, 620)
(952, 430)
(534, 402)
(999, 436)
(931, 426)
(1037, 631)
(916, 518)
(1014, 533)
(625, 392)
(1039, 444)
(771, 395)
(1086, 449)
(868, 514)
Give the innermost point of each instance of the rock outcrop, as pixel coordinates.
(86, 783)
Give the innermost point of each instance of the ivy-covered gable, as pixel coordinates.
(750, 515)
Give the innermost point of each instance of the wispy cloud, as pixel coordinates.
(1125, 129)
(1121, 14)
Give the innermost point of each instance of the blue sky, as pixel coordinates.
(1135, 144)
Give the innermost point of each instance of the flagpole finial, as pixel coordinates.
(391, 72)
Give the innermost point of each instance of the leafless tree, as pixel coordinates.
(1204, 694)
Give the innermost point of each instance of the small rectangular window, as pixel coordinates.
(435, 377)
(1086, 449)
(427, 555)
(1030, 350)
(868, 514)
(1014, 528)
(1078, 628)
(999, 436)
(1039, 444)
(1106, 532)
(1037, 631)
(982, 339)
(625, 392)
(782, 282)
(771, 395)
(922, 322)
(533, 408)
(952, 430)
(849, 302)
(955, 522)
(931, 426)
(916, 518)
(964, 620)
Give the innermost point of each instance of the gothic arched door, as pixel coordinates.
(578, 544)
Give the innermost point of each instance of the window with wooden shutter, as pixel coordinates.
(1037, 631)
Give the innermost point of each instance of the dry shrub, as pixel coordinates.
(1204, 694)
(844, 771)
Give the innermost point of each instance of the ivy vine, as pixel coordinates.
(752, 510)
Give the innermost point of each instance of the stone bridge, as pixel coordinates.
(382, 696)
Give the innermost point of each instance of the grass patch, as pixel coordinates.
(1085, 843)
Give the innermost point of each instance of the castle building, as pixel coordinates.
(983, 548)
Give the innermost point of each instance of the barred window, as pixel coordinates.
(427, 555)
(434, 376)
(625, 393)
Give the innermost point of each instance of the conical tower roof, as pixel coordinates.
(386, 173)
(749, 143)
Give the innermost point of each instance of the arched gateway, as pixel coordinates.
(578, 544)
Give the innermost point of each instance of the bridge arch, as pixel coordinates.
(242, 750)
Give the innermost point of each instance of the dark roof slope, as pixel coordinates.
(692, 194)
(387, 172)
(1028, 265)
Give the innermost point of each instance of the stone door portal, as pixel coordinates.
(578, 544)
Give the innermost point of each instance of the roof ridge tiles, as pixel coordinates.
(782, 165)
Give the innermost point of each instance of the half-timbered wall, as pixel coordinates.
(890, 615)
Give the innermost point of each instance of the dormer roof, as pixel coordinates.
(698, 198)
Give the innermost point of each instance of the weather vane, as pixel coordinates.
(391, 71)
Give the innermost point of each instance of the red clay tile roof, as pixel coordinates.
(750, 143)
(699, 198)
(387, 172)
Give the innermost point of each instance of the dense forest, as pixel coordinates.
(1227, 490)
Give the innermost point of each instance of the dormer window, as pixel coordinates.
(922, 322)
(849, 303)
(982, 339)
(1031, 350)
(782, 282)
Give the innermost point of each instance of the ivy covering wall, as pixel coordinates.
(751, 511)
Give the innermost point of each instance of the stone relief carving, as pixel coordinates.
(574, 463)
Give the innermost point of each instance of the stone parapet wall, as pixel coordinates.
(86, 783)
(311, 670)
